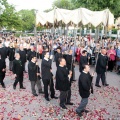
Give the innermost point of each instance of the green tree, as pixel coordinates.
(8, 17)
(113, 5)
(27, 19)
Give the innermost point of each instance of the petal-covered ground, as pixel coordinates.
(104, 104)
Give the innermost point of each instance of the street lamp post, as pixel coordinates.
(35, 28)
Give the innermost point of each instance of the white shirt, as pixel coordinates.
(85, 72)
(46, 59)
(7, 43)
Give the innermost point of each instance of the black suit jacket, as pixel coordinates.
(11, 53)
(30, 53)
(84, 84)
(17, 68)
(69, 62)
(57, 56)
(101, 64)
(45, 69)
(3, 53)
(83, 61)
(33, 69)
(62, 80)
(22, 56)
(2, 66)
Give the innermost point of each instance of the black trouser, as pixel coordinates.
(65, 97)
(20, 80)
(38, 83)
(103, 79)
(10, 65)
(110, 65)
(1, 80)
(23, 66)
(48, 82)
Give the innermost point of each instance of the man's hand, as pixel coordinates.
(93, 74)
(51, 56)
(38, 74)
(15, 75)
(106, 67)
(36, 63)
(70, 72)
(3, 70)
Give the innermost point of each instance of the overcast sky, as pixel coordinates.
(40, 5)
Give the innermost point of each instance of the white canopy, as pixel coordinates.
(81, 15)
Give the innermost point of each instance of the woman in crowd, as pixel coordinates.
(111, 61)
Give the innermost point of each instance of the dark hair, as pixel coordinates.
(84, 51)
(84, 66)
(60, 59)
(32, 56)
(45, 52)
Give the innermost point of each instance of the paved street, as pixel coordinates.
(104, 104)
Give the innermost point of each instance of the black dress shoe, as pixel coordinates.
(86, 111)
(63, 106)
(35, 95)
(106, 85)
(47, 99)
(41, 92)
(3, 86)
(22, 88)
(54, 97)
(73, 80)
(14, 87)
(69, 103)
(79, 114)
(98, 86)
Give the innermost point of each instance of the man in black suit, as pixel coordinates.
(57, 56)
(101, 68)
(63, 83)
(3, 51)
(11, 54)
(70, 64)
(34, 75)
(47, 76)
(2, 71)
(83, 60)
(18, 71)
(22, 56)
(30, 53)
(85, 88)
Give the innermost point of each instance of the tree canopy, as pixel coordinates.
(27, 18)
(8, 17)
(96, 5)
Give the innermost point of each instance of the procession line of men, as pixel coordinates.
(64, 75)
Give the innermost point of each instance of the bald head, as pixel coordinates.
(103, 51)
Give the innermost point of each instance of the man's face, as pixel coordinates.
(85, 53)
(35, 59)
(21, 47)
(70, 52)
(63, 62)
(47, 55)
(58, 50)
(87, 68)
(18, 56)
(104, 52)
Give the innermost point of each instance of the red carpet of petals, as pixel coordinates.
(18, 104)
